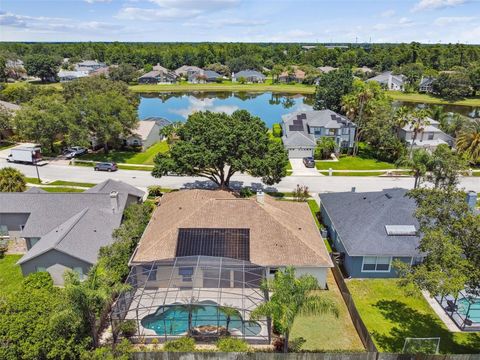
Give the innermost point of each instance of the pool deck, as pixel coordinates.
(449, 323)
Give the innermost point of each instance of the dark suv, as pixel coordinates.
(309, 162)
(106, 166)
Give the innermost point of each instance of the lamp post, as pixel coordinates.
(36, 166)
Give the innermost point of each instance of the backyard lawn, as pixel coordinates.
(129, 157)
(354, 163)
(391, 316)
(327, 333)
(10, 274)
(429, 99)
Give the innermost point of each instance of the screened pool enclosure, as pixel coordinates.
(464, 310)
(203, 296)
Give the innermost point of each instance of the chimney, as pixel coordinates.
(114, 201)
(354, 189)
(260, 197)
(472, 200)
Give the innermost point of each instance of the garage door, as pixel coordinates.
(299, 153)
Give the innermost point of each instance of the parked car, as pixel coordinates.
(106, 166)
(75, 151)
(309, 162)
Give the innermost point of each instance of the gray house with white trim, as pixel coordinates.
(302, 130)
(390, 81)
(371, 230)
(65, 231)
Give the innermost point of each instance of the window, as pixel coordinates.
(33, 241)
(430, 136)
(331, 131)
(186, 273)
(345, 131)
(40, 268)
(3, 231)
(416, 260)
(376, 263)
(79, 271)
(272, 270)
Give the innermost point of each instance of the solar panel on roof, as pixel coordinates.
(401, 230)
(231, 243)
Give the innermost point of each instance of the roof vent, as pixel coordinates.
(400, 230)
(388, 195)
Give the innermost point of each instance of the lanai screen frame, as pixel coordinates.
(143, 299)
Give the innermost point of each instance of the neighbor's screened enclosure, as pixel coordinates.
(205, 296)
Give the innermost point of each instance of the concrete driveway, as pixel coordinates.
(299, 169)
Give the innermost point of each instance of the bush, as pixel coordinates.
(246, 192)
(155, 191)
(229, 344)
(38, 280)
(325, 147)
(128, 328)
(277, 130)
(184, 344)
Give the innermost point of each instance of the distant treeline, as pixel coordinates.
(239, 56)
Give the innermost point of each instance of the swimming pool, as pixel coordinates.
(173, 319)
(473, 313)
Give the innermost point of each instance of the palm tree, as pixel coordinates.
(418, 161)
(438, 113)
(291, 297)
(468, 141)
(401, 116)
(229, 311)
(12, 180)
(192, 306)
(418, 121)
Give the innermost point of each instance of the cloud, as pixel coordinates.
(202, 22)
(196, 105)
(436, 4)
(448, 20)
(196, 4)
(97, 1)
(403, 22)
(388, 13)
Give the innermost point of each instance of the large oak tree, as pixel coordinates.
(216, 146)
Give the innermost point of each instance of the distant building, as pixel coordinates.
(250, 76)
(426, 85)
(89, 65)
(370, 230)
(147, 133)
(429, 138)
(68, 75)
(159, 75)
(187, 70)
(302, 130)
(390, 81)
(326, 69)
(204, 76)
(296, 75)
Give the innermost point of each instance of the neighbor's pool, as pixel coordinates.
(474, 313)
(173, 320)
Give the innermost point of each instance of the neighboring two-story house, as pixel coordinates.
(159, 75)
(302, 130)
(426, 85)
(64, 231)
(430, 137)
(389, 81)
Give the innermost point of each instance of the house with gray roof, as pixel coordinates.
(250, 76)
(89, 65)
(428, 138)
(65, 231)
(370, 230)
(390, 81)
(302, 130)
(204, 76)
(426, 84)
(187, 70)
(159, 75)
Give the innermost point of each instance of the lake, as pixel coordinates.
(268, 106)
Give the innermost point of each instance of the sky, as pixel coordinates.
(303, 21)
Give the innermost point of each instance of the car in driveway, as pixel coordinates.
(105, 166)
(309, 162)
(75, 151)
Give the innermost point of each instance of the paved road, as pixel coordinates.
(143, 179)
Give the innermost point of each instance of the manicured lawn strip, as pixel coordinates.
(71, 183)
(315, 209)
(429, 99)
(354, 163)
(131, 167)
(226, 86)
(61, 189)
(391, 316)
(368, 173)
(4, 146)
(129, 157)
(10, 274)
(32, 180)
(326, 332)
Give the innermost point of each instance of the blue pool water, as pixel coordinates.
(177, 106)
(173, 320)
(474, 313)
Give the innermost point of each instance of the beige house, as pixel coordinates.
(147, 133)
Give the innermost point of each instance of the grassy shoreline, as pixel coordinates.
(429, 99)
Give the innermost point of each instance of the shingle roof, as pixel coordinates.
(186, 68)
(321, 118)
(326, 69)
(385, 76)
(298, 139)
(281, 232)
(10, 106)
(360, 219)
(162, 122)
(144, 128)
(249, 73)
(110, 185)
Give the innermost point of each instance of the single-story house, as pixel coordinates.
(426, 84)
(187, 70)
(65, 231)
(370, 230)
(363, 69)
(159, 75)
(147, 133)
(250, 76)
(390, 81)
(326, 69)
(204, 76)
(302, 130)
(67, 75)
(296, 76)
(89, 65)
(429, 138)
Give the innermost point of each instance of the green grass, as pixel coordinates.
(32, 180)
(129, 157)
(429, 99)
(71, 183)
(227, 86)
(10, 274)
(6, 145)
(326, 332)
(360, 173)
(61, 189)
(354, 163)
(315, 209)
(391, 316)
